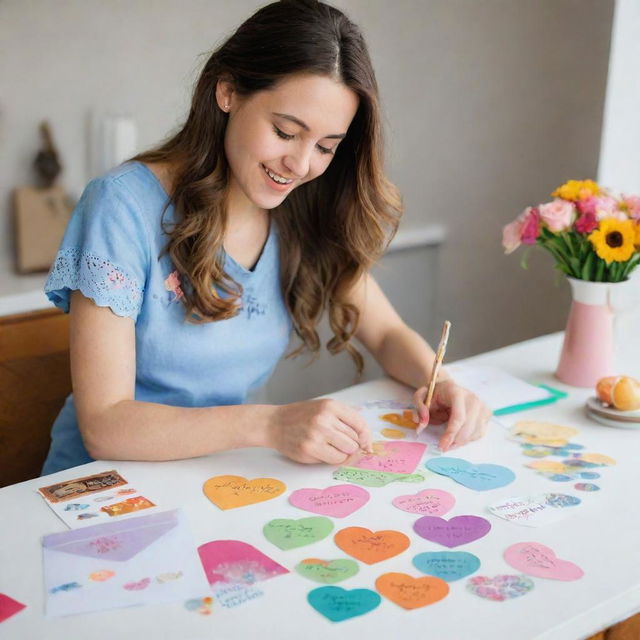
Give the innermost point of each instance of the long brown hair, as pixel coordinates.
(331, 229)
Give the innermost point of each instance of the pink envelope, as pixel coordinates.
(236, 562)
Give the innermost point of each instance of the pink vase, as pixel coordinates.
(588, 348)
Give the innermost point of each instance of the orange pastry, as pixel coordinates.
(621, 392)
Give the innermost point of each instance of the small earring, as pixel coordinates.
(226, 107)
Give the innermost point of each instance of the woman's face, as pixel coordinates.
(278, 139)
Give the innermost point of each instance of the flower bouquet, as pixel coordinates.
(591, 234)
(595, 240)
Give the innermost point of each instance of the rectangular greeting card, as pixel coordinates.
(89, 500)
(144, 560)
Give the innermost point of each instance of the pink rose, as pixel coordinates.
(558, 215)
(511, 234)
(607, 207)
(633, 205)
(586, 223)
(530, 226)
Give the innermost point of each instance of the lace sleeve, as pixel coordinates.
(96, 278)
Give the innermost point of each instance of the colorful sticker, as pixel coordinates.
(130, 505)
(586, 486)
(500, 588)
(101, 576)
(393, 434)
(137, 585)
(204, 606)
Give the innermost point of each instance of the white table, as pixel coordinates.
(602, 536)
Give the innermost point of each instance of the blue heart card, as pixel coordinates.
(339, 604)
(447, 565)
(480, 477)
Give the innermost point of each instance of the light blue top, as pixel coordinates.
(112, 252)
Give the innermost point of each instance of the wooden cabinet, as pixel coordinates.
(35, 379)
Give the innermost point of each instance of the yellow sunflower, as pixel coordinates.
(577, 190)
(613, 240)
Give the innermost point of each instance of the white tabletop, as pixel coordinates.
(601, 536)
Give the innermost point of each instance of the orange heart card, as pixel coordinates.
(404, 419)
(230, 492)
(409, 592)
(371, 546)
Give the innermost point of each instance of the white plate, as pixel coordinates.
(612, 417)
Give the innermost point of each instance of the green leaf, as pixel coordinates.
(587, 267)
(600, 270)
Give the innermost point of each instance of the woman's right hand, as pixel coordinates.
(322, 430)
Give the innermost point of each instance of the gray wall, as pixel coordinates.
(489, 104)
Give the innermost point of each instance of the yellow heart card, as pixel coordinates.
(231, 492)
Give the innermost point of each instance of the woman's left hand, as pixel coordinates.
(467, 416)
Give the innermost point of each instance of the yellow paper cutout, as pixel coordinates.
(597, 458)
(393, 434)
(545, 430)
(404, 419)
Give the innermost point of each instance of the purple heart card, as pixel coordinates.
(454, 532)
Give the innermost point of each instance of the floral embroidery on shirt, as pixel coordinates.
(252, 306)
(172, 284)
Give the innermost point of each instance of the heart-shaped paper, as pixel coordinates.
(137, 586)
(338, 501)
(230, 492)
(327, 571)
(237, 562)
(404, 419)
(500, 588)
(339, 604)
(539, 561)
(454, 532)
(369, 478)
(393, 434)
(480, 477)
(393, 457)
(447, 565)
(409, 592)
(533, 511)
(431, 502)
(289, 534)
(371, 546)
(542, 430)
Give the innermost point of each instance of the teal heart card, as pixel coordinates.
(447, 565)
(481, 477)
(289, 534)
(339, 604)
(327, 571)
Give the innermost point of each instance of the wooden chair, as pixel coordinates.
(35, 379)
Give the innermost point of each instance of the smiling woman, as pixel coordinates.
(186, 269)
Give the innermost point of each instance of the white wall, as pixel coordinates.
(490, 104)
(619, 166)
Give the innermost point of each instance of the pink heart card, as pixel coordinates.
(539, 561)
(394, 457)
(428, 502)
(338, 501)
